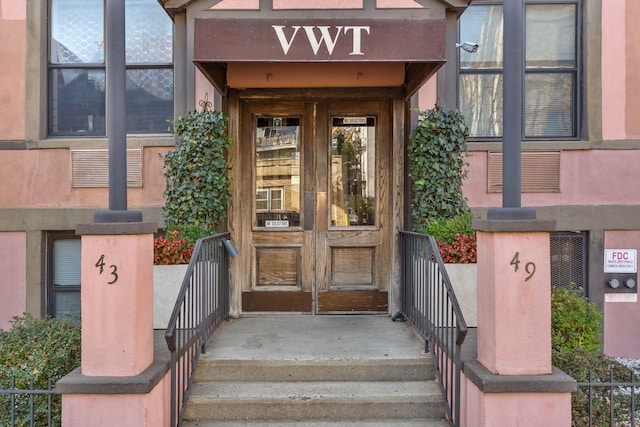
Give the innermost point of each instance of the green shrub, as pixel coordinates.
(576, 349)
(445, 230)
(196, 172)
(438, 166)
(575, 323)
(38, 350)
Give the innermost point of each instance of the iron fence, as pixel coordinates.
(608, 400)
(29, 406)
(201, 307)
(429, 303)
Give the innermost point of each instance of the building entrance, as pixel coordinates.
(315, 218)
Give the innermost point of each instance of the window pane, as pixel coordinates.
(148, 33)
(77, 102)
(277, 172)
(482, 25)
(66, 262)
(551, 35)
(77, 31)
(276, 199)
(481, 103)
(66, 305)
(549, 105)
(149, 100)
(353, 164)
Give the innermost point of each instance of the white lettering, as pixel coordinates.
(282, 38)
(325, 37)
(357, 38)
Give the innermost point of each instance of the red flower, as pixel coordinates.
(171, 249)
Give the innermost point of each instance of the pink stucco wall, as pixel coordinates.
(237, 5)
(587, 177)
(513, 409)
(108, 410)
(633, 65)
(620, 63)
(42, 178)
(12, 69)
(312, 4)
(13, 276)
(613, 60)
(514, 303)
(621, 319)
(117, 304)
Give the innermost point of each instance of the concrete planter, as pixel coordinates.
(464, 279)
(167, 280)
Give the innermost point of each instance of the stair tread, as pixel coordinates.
(326, 390)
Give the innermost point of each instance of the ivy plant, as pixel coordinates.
(197, 173)
(437, 153)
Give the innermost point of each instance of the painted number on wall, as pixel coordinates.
(113, 269)
(529, 268)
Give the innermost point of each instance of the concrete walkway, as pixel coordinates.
(306, 337)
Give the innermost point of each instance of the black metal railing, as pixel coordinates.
(29, 406)
(201, 307)
(429, 303)
(607, 400)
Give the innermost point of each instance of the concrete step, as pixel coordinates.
(408, 369)
(315, 400)
(340, 423)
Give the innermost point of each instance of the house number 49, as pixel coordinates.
(529, 268)
(114, 269)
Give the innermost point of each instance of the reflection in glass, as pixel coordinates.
(551, 36)
(148, 33)
(481, 98)
(77, 101)
(549, 113)
(77, 32)
(482, 25)
(149, 100)
(277, 172)
(353, 171)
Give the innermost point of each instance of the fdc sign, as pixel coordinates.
(620, 261)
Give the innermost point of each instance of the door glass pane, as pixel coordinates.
(277, 173)
(353, 165)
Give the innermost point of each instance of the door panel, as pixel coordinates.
(316, 184)
(350, 249)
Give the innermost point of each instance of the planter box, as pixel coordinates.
(464, 279)
(167, 280)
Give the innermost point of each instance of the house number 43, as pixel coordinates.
(113, 269)
(529, 268)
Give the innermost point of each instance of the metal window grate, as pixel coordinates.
(569, 261)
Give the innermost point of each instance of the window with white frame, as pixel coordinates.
(76, 105)
(63, 276)
(270, 199)
(552, 70)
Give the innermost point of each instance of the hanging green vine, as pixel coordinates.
(197, 172)
(437, 153)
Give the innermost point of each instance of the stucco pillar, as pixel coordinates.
(514, 302)
(117, 299)
(120, 379)
(512, 382)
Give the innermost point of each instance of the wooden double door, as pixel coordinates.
(315, 191)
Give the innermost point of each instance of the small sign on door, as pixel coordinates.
(620, 261)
